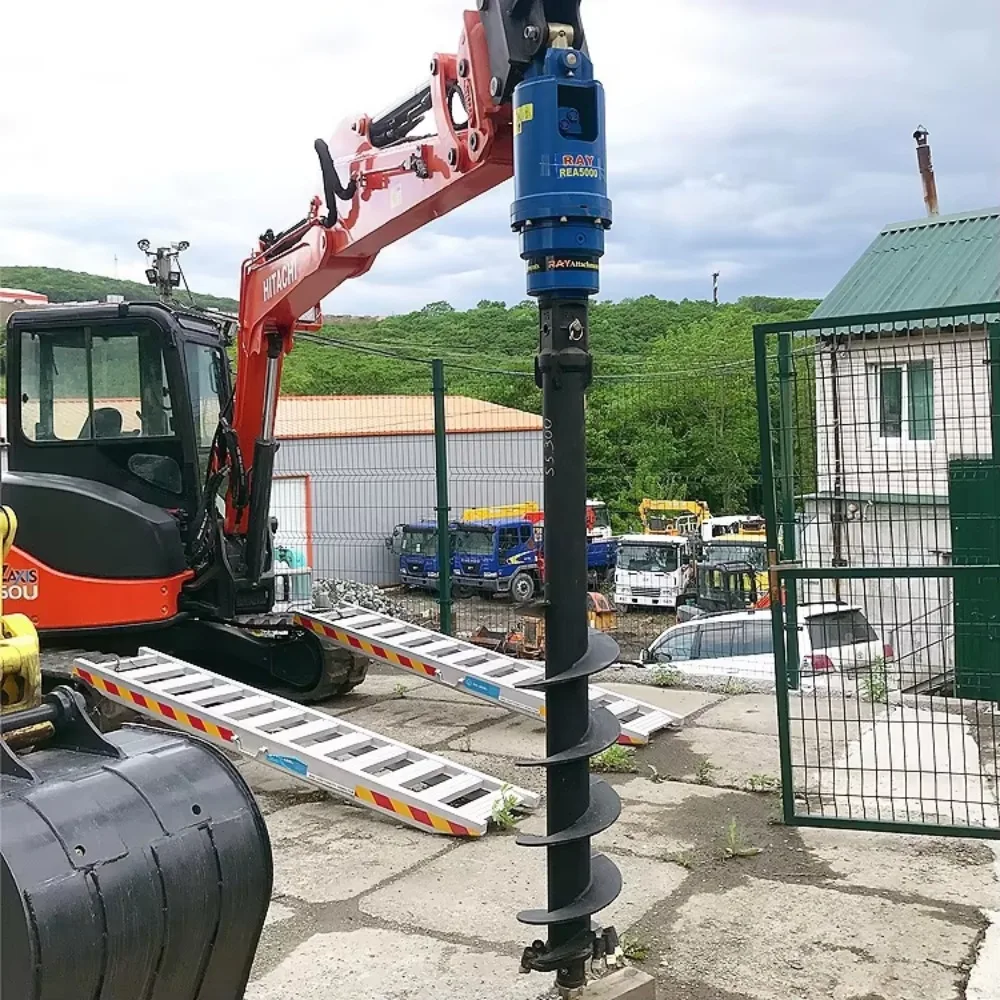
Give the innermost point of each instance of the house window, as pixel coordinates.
(906, 401)
(890, 402)
(921, 400)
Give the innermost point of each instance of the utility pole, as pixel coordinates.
(715, 288)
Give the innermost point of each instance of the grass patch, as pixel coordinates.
(399, 691)
(666, 677)
(615, 760)
(705, 775)
(634, 949)
(737, 845)
(875, 684)
(504, 815)
(683, 858)
(763, 783)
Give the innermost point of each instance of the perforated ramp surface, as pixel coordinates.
(483, 673)
(419, 788)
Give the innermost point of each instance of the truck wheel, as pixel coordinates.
(522, 587)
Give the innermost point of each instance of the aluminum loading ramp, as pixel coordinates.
(423, 790)
(493, 677)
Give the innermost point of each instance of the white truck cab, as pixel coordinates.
(650, 571)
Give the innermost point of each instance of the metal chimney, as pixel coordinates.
(926, 170)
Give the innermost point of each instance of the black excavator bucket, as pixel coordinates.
(135, 863)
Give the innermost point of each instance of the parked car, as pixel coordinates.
(833, 639)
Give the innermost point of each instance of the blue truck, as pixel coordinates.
(416, 545)
(496, 557)
(500, 556)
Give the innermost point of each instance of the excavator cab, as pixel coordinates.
(117, 415)
(126, 396)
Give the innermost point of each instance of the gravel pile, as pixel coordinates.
(328, 593)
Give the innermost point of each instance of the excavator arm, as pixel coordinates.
(381, 182)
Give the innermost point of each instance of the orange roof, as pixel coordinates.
(367, 416)
(331, 416)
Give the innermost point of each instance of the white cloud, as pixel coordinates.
(768, 138)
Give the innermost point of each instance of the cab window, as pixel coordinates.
(82, 384)
(509, 538)
(679, 646)
(205, 383)
(719, 639)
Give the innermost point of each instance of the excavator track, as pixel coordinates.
(341, 670)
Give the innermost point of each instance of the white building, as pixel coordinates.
(902, 407)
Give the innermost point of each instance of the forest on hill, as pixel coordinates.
(672, 411)
(77, 286)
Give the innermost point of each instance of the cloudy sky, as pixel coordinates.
(766, 139)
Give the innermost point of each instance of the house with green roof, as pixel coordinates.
(902, 407)
(908, 395)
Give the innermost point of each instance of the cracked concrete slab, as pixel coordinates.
(984, 981)
(382, 685)
(498, 879)
(746, 713)
(277, 912)
(640, 831)
(734, 756)
(422, 721)
(324, 851)
(374, 964)
(516, 737)
(938, 868)
(665, 793)
(772, 943)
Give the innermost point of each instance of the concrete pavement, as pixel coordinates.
(721, 901)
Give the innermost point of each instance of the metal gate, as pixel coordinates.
(881, 470)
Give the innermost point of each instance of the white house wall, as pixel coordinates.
(914, 615)
(361, 488)
(875, 465)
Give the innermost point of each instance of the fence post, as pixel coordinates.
(788, 543)
(443, 509)
(762, 377)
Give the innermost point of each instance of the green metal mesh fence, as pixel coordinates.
(360, 481)
(883, 499)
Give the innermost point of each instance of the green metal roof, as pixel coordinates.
(942, 260)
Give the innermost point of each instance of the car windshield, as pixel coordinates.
(755, 555)
(474, 542)
(420, 541)
(839, 628)
(641, 558)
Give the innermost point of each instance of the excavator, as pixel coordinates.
(141, 464)
(672, 517)
(135, 863)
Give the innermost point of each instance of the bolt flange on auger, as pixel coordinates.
(561, 211)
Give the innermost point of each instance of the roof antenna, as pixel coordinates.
(926, 170)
